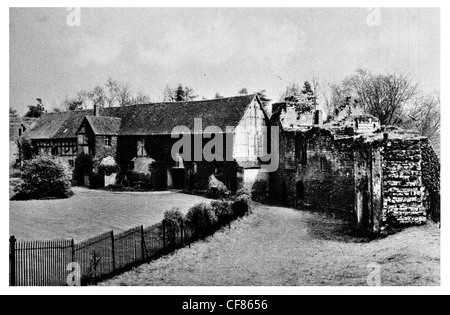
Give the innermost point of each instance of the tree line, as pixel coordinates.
(116, 94)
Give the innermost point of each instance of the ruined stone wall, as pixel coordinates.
(325, 181)
(403, 190)
(431, 177)
(328, 175)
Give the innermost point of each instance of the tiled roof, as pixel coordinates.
(104, 126)
(147, 119)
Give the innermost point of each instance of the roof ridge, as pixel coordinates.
(193, 101)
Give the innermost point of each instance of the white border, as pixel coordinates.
(4, 289)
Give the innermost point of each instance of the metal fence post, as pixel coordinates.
(72, 244)
(12, 258)
(113, 252)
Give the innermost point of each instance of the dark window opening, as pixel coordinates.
(71, 163)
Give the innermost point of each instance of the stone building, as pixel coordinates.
(373, 175)
(18, 127)
(140, 138)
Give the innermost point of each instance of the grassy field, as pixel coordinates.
(284, 247)
(90, 213)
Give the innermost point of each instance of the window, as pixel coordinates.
(65, 148)
(44, 147)
(105, 141)
(71, 163)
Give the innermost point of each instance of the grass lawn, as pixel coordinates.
(90, 213)
(284, 247)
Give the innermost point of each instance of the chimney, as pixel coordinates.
(96, 110)
(318, 118)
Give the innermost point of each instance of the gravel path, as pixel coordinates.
(284, 247)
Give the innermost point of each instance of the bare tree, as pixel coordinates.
(124, 97)
(113, 88)
(81, 97)
(72, 104)
(97, 96)
(292, 90)
(141, 98)
(425, 117)
(168, 95)
(383, 96)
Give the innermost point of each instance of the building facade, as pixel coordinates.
(375, 176)
(141, 140)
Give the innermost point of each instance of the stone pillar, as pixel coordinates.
(377, 196)
(361, 188)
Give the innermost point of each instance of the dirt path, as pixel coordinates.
(285, 247)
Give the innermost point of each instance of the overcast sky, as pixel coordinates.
(213, 50)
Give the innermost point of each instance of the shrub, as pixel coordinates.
(145, 180)
(97, 180)
(241, 206)
(83, 166)
(108, 166)
(108, 170)
(223, 211)
(260, 191)
(202, 219)
(173, 221)
(216, 188)
(25, 148)
(244, 192)
(43, 177)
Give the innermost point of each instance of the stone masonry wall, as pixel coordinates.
(403, 190)
(431, 176)
(328, 175)
(327, 178)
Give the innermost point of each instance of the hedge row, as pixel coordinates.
(205, 219)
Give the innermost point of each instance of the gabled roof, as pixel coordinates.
(149, 119)
(63, 125)
(104, 126)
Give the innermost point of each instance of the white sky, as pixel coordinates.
(213, 50)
